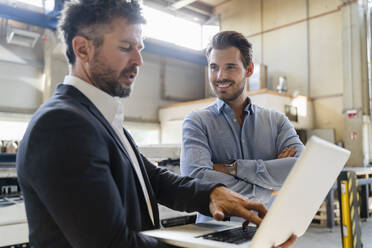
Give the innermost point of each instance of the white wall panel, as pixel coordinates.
(285, 53)
(281, 12)
(328, 114)
(59, 70)
(146, 92)
(20, 87)
(182, 80)
(243, 16)
(326, 75)
(317, 7)
(257, 48)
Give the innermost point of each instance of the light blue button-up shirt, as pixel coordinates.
(213, 135)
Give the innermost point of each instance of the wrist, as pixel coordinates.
(221, 168)
(215, 192)
(232, 168)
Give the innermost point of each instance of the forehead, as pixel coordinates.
(121, 29)
(227, 55)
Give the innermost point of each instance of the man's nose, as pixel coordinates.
(220, 75)
(137, 58)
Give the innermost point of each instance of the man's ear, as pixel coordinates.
(82, 48)
(250, 69)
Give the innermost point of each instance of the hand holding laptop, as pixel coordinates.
(226, 203)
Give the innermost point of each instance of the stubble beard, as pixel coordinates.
(235, 95)
(106, 79)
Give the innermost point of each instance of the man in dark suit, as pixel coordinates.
(85, 184)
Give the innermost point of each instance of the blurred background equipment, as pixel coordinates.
(282, 85)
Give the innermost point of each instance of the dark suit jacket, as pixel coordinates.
(79, 186)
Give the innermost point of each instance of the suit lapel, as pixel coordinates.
(151, 193)
(76, 94)
(109, 128)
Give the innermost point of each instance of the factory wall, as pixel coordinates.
(301, 40)
(21, 79)
(29, 76)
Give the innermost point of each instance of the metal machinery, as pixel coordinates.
(13, 222)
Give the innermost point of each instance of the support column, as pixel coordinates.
(356, 94)
(56, 66)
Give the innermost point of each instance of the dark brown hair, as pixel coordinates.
(88, 17)
(228, 39)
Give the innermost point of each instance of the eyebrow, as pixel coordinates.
(227, 64)
(132, 43)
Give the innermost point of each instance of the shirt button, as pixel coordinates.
(234, 120)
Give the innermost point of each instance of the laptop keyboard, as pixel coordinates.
(234, 236)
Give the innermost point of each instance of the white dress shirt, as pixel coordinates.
(113, 110)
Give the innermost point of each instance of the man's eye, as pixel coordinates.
(124, 49)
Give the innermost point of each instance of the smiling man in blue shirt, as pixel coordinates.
(233, 141)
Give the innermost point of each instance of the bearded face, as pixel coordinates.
(111, 81)
(114, 64)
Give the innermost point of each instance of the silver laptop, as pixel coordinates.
(300, 197)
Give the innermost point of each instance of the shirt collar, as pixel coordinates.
(220, 104)
(249, 108)
(111, 107)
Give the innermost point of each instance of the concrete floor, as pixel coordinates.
(317, 237)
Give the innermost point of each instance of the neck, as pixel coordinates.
(238, 105)
(79, 71)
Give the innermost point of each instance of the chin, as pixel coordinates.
(222, 95)
(125, 92)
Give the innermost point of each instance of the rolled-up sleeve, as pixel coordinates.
(271, 174)
(196, 160)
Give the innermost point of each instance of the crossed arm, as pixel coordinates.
(268, 175)
(288, 152)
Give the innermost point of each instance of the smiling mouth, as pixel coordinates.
(223, 85)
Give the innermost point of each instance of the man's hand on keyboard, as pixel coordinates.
(226, 203)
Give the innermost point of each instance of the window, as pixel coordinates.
(207, 33)
(47, 5)
(12, 130)
(163, 26)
